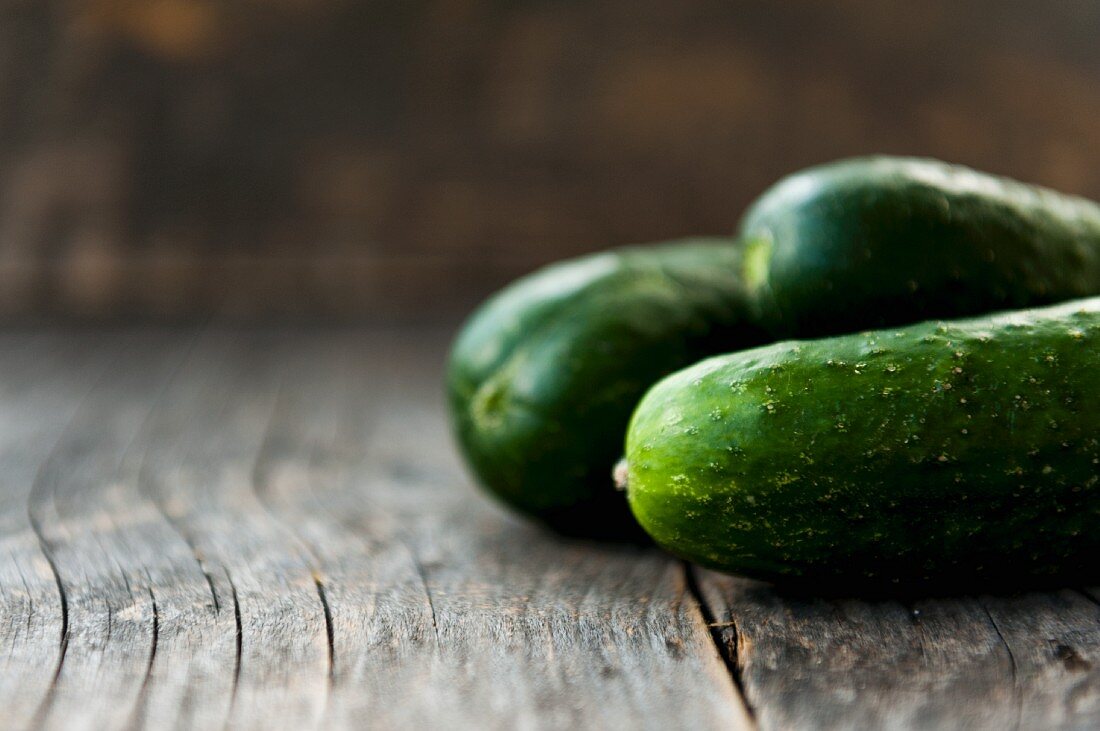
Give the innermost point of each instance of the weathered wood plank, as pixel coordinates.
(96, 535)
(269, 530)
(1054, 642)
(263, 651)
(990, 662)
(43, 381)
(404, 159)
(476, 619)
(193, 676)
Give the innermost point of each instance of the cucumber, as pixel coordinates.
(936, 454)
(543, 378)
(882, 241)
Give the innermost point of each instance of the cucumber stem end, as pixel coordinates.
(621, 473)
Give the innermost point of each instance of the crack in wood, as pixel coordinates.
(110, 622)
(423, 575)
(63, 642)
(239, 642)
(156, 638)
(157, 501)
(1017, 692)
(213, 591)
(143, 695)
(329, 631)
(724, 635)
(260, 484)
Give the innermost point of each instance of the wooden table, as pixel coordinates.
(270, 529)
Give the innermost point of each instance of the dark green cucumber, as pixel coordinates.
(882, 241)
(939, 453)
(543, 378)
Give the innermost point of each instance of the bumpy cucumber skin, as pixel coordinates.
(941, 454)
(543, 378)
(882, 241)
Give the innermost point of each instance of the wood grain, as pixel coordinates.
(180, 158)
(44, 380)
(497, 623)
(988, 662)
(269, 530)
(102, 543)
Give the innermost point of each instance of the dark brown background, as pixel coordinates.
(398, 160)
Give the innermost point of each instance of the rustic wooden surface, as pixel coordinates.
(368, 158)
(269, 529)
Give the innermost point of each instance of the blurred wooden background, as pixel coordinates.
(398, 159)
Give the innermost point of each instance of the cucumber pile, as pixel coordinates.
(543, 379)
(910, 448)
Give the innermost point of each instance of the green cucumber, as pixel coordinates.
(882, 241)
(940, 454)
(543, 378)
